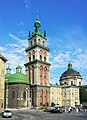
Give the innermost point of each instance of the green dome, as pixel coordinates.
(18, 67)
(19, 78)
(37, 23)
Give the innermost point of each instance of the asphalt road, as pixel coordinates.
(34, 115)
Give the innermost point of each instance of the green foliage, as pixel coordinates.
(83, 94)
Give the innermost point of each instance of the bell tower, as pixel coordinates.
(38, 65)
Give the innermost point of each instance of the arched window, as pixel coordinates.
(33, 74)
(34, 41)
(45, 75)
(31, 43)
(45, 55)
(45, 97)
(41, 97)
(29, 54)
(43, 43)
(39, 41)
(13, 94)
(44, 59)
(33, 53)
(71, 82)
(33, 57)
(41, 74)
(32, 96)
(40, 57)
(29, 74)
(2, 105)
(80, 83)
(29, 59)
(24, 95)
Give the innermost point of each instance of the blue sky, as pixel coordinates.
(65, 22)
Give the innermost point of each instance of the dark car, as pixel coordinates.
(47, 109)
(56, 111)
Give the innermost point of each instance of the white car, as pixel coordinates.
(7, 113)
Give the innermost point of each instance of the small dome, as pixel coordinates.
(70, 72)
(18, 67)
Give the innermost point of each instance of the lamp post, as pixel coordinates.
(6, 93)
(64, 96)
(28, 96)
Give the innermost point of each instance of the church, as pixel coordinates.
(34, 88)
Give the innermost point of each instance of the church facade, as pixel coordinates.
(34, 89)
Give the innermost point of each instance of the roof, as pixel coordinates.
(8, 75)
(70, 72)
(17, 77)
(3, 58)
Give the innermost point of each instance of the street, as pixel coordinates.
(40, 115)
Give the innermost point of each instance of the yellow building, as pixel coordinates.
(56, 94)
(67, 93)
(2, 79)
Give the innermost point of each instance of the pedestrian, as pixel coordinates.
(85, 111)
(77, 110)
(37, 108)
(69, 110)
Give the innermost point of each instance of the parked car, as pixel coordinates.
(7, 113)
(47, 109)
(56, 111)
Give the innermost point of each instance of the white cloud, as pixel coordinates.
(15, 52)
(2, 49)
(27, 4)
(13, 36)
(78, 58)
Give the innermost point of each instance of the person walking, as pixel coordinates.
(77, 110)
(85, 111)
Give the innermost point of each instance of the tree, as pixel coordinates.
(83, 94)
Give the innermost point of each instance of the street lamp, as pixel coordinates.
(65, 96)
(28, 96)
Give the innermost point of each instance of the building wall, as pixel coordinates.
(16, 96)
(2, 79)
(70, 94)
(71, 81)
(40, 95)
(56, 95)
